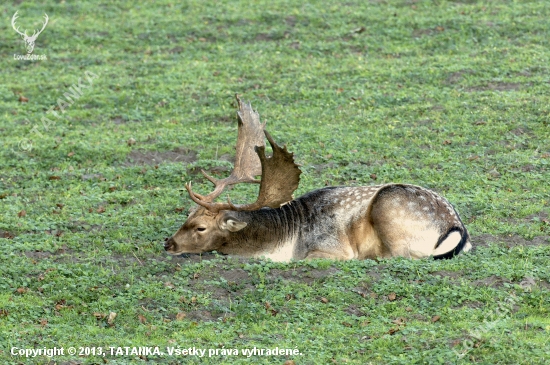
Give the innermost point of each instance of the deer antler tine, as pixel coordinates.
(231, 205)
(213, 180)
(192, 194)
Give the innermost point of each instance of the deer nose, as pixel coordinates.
(168, 242)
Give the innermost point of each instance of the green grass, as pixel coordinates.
(450, 95)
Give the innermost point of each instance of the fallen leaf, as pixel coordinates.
(131, 142)
(111, 318)
(21, 290)
(408, 309)
(43, 322)
(54, 177)
(494, 173)
(358, 30)
(101, 209)
(399, 320)
(435, 318)
(179, 210)
(8, 235)
(4, 313)
(169, 285)
(392, 297)
(393, 330)
(180, 316)
(346, 324)
(447, 142)
(142, 319)
(70, 154)
(99, 315)
(22, 213)
(23, 99)
(289, 362)
(60, 304)
(373, 176)
(324, 300)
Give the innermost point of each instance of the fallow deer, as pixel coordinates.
(343, 223)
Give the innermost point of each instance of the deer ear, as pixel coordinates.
(231, 224)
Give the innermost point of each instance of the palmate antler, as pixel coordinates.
(280, 175)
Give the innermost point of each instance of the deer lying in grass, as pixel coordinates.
(334, 222)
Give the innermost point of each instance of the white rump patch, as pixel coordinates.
(448, 244)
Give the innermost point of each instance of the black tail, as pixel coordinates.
(458, 248)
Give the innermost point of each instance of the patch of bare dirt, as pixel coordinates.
(448, 274)
(6, 234)
(483, 240)
(521, 131)
(291, 21)
(201, 315)
(40, 255)
(496, 86)
(231, 276)
(492, 281)
(308, 277)
(419, 33)
(456, 77)
(140, 157)
(470, 304)
(353, 310)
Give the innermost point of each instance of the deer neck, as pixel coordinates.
(269, 232)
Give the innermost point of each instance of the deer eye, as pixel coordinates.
(201, 229)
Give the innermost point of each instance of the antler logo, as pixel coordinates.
(29, 40)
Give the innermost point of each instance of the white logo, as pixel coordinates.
(29, 40)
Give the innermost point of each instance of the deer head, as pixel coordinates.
(29, 40)
(210, 224)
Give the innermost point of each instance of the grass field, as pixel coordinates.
(450, 95)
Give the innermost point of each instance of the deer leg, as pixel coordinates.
(318, 254)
